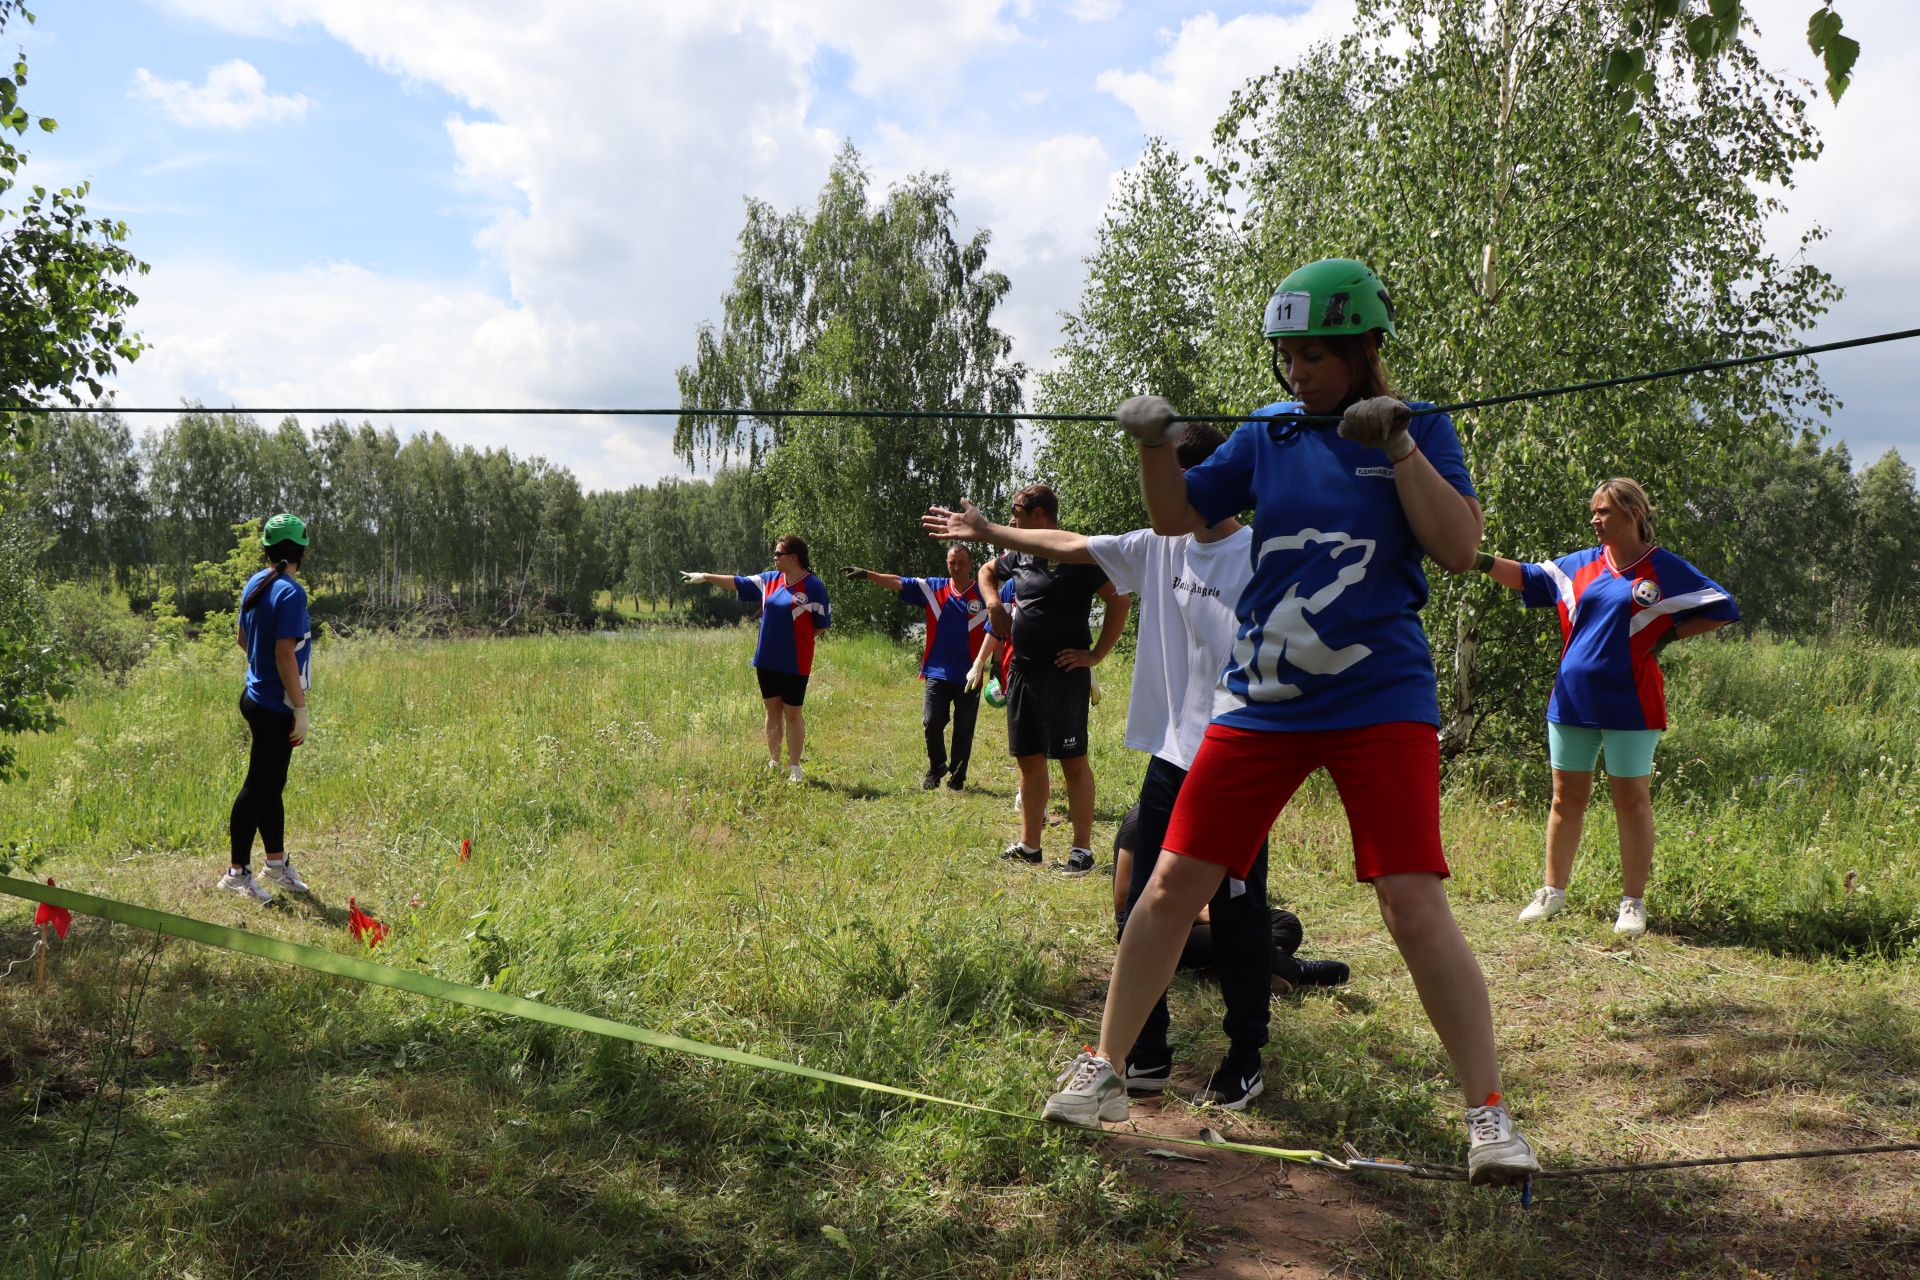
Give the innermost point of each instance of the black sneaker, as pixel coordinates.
(1149, 1072)
(1079, 863)
(1322, 973)
(1017, 852)
(932, 779)
(957, 782)
(1233, 1084)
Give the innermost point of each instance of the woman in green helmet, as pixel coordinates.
(1329, 669)
(277, 638)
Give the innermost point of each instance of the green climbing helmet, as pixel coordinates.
(284, 528)
(1328, 297)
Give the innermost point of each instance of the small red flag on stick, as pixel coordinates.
(466, 850)
(59, 917)
(363, 926)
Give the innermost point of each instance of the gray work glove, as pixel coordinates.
(1148, 419)
(1379, 423)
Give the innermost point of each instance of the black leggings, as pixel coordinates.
(258, 807)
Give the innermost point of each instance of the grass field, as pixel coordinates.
(630, 859)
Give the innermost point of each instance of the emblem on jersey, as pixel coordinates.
(1380, 473)
(799, 597)
(1646, 593)
(976, 606)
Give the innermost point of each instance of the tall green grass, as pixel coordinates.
(631, 859)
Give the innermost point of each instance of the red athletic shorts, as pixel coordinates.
(1389, 781)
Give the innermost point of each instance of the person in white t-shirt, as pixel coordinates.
(1187, 587)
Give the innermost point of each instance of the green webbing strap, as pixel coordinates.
(360, 969)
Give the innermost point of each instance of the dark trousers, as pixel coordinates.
(944, 697)
(1242, 927)
(258, 807)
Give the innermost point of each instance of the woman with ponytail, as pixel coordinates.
(275, 634)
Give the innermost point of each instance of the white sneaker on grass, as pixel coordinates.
(281, 872)
(1497, 1156)
(794, 774)
(1632, 920)
(1089, 1093)
(243, 883)
(1547, 901)
(773, 766)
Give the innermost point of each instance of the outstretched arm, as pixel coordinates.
(1502, 570)
(711, 579)
(891, 581)
(968, 524)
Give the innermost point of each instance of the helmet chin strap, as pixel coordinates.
(1273, 358)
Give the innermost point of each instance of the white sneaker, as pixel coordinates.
(773, 766)
(794, 774)
(1089, 1093)
(242, 882)
(1632, 920)
(281, 872)
(1498, 1156)
(1547, 901)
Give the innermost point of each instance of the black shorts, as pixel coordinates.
(785, 685)
(1047, 711)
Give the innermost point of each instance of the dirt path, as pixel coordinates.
(1259, 1217)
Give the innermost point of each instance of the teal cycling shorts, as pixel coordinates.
(1573, 749)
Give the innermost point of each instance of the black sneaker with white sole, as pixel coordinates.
(1233, 1084)
(1017, 852)
(1079, 863)
(1149, 1071)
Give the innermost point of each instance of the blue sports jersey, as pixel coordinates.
(281, 612)
(789, 616)
(1328, 630)
(956, 626)
(1609, 621)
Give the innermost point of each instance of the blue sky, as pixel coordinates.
(481, 202)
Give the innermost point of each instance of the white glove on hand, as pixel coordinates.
(691, 575)
(301, 723)
(1379, 423)
(1148, 419)
(977, 675)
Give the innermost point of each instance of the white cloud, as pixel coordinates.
(1184, 94)
(234, 96)
(1094, 10)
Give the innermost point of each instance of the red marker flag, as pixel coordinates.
(59, 917)
(363, 926)
(466, 850)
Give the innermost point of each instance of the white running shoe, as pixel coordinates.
(773, 766)
(281, 872)
(1498, 1155)
(1632, 920)
(1089, 1093)
(242, 882)
(1547, 901)
(794, 774)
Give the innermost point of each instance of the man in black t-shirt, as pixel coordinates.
(1053, 658)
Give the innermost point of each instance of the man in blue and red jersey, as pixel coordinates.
(956, 627)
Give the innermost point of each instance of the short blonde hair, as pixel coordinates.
(1629, 497)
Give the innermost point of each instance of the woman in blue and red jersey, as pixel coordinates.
(793, 606)
(1620, 603)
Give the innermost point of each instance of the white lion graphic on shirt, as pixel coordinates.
(1287, 634)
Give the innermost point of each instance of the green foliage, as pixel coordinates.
(98, 630)
(1144, 316)
(33, 670)
(63, 305)
(1467, 153)
(860, 304)
(1708, 29)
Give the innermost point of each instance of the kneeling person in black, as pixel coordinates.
(1050, 681)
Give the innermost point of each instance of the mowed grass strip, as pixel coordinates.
(631, 859)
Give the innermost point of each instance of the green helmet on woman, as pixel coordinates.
(1331, 297)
